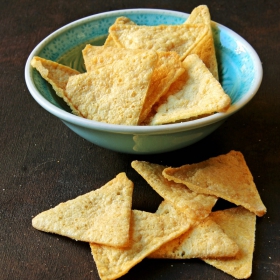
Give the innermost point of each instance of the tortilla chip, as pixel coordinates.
(205, 49)
(114, 93)
(100, 56)
(196, 206)
(179, 38)
(167, 70)
(101, 216)
(205, 240)
(201, 95)
(57, 75)
(120, 20)
(239, 224)
(148, 232)
(226, 176)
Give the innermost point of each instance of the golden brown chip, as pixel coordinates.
(206, 48)
(167, 70)
(114, 93)
(120, 20)
(101, 216)
(204, 240)
(57, 75)
(226, 176)
(148, 232)
(100, 56)
(196, 206)
(179, 38)
(239, 224)
(201, 95)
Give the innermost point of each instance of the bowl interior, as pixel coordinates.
(239, 66)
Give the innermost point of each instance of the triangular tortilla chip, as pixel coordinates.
(239, 224)
(114, 93)
(226, 176)
(101, 216)
(167, 70)
(204, 240)
(201, 95)
(179, 38)
(206, 48)
(57, 75)
(100, 56)
(196, 206)
(148, 232)
(120, 20)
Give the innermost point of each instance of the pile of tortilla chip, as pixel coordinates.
(183, 227)
(144, 75)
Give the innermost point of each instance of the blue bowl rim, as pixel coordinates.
(124, 129)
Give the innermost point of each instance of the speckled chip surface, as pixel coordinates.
(240, 225)
(179, 38)
(57, 75)
(148, 232)
(226, 176)
(201, 95)
(196, 206)
(204, 240)
(114, 93)
(101, 216)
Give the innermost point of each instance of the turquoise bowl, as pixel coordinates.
(240, 73)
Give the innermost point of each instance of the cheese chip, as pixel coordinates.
(101, 216)
(240, 225)
(201, 95)
(114, 93)
(196, 206)
(226, 176)
(148, 232)
(179, 38)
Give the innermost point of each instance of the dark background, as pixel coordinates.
(44, 163)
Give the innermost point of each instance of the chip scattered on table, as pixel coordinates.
(196, 206)
(148, 232)
(240, 225)
(204, 240)
(101, 216)
(226, 176)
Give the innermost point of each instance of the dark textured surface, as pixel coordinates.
(43, 163)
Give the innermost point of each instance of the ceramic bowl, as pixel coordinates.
(240, 73)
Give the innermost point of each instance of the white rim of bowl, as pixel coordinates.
(167, 128)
